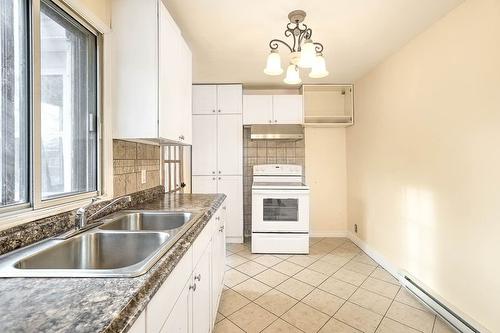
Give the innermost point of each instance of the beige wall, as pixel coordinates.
(424, 159)
(326, 175)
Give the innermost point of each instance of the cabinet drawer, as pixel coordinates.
(165, 298)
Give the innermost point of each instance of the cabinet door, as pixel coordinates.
(257, 109)
(171, 73)
(186, 121)
(204, 149)
(229, 144)
(287, 109)
(204, 184)
(232, 187)
(229, 98)
(202, 294)
(180, 319)
(135, 98)
(204, 99)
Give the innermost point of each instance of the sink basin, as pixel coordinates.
(127, 244)
(103, 251)
(146, 221)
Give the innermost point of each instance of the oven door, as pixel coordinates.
(280, 211)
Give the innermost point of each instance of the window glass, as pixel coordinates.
(69, 104)
(14, 103)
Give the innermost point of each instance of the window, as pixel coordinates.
(48, 145)
(69, 103)
(14, 106)
(173, 167)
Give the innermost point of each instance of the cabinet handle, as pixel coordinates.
(192, 287)
(270, 121)
(213, 178)
(218, 111)
(220, 178)
(213, 172)
(217, 218)
(197, 277)
(220, 172)
(213, 111)
(224, 208)
(275, 121)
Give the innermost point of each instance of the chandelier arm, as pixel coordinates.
(318, 47)
(273, 44)
(306, 33)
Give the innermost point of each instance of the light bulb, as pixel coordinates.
(319, 67)
(307, 54)
(273, 66)
(292, 75)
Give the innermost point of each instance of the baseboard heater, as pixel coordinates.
(447, 314)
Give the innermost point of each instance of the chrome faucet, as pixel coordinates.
(81, 218)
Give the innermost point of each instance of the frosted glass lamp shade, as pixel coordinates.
(319, 68)
(273, 66)
(307, 54)
(292, 75)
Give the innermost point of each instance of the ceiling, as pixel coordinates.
(229, 38)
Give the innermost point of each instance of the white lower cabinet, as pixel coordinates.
(218, 261)
(232, 187)
(187, 301)
(179, 320)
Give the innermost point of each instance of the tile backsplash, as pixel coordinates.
(129, 159)
(265, 152)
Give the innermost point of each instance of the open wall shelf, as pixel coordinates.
(328, 105)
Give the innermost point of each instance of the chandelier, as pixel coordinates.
(304, 53)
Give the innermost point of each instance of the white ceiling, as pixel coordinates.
(229, 38)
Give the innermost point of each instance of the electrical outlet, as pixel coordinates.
(143, 176)
(355, 228)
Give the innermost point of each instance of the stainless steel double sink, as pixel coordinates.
(124, 244)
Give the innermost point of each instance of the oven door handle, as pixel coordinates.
(281, 193)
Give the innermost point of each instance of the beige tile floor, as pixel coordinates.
(336, 288)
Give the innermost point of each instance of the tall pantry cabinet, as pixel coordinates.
(217, 153)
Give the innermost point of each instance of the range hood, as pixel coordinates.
(276, 132)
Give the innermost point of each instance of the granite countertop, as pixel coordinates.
(99, 304)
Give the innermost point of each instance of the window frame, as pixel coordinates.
(35, 202)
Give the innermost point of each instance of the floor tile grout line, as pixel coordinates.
(319, 256)
(385, 315)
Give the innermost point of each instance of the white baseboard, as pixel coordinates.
(379, 258)
(230, 239)
(328, 233)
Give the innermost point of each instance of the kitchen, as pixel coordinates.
(193, 166)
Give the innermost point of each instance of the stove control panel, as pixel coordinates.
(277, 170)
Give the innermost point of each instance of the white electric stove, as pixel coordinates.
(280, 209)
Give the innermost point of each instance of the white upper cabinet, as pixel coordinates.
(287, 109)
(204, 99)
(229, 98)
(257, 109)
(272, 109)
(152, 74)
